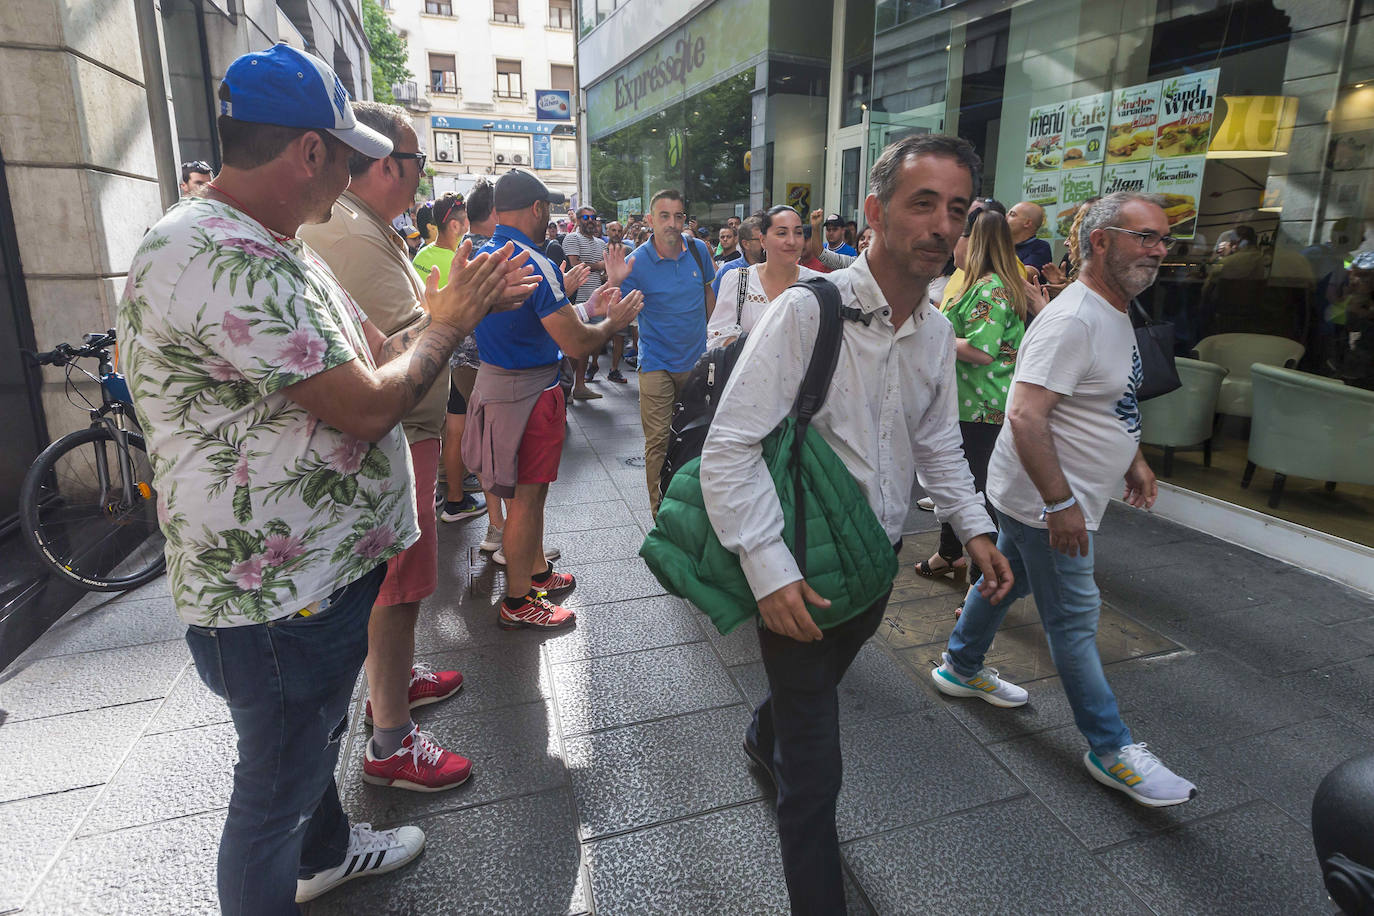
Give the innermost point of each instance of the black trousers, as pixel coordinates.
(979, 438)
(797, 727)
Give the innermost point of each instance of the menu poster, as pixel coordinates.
(1045, 138)
(1135, 111)
(1043, 190)
(1074, 189)
(1179, 182)
(1085, 130)
(1185, 117)
(1133, 176)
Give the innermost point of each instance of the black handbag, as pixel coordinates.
(1154, 341)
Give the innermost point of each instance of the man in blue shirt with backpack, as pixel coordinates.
(676, 283)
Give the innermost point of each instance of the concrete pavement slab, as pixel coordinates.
(875, 685)
(111, 625)
(39, 687)
(29, 749)
(35, 830)
(641, 775)
(1347, 690)
(1010, 857)
(190, 704)
(628, 626)
(494, 676)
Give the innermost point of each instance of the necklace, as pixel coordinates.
(246, 212)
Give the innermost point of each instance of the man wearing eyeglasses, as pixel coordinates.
(370, 261)
(1072, 435)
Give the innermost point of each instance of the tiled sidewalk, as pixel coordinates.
(608, 774)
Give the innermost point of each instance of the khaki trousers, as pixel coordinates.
(658, 391)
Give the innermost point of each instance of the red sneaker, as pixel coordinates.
(537, 611)
(558, 583)
(420, 765)
(426, 687)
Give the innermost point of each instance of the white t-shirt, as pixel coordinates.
(722, 327)
(1082, 348)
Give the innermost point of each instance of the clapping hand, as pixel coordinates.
(477, 285)
(573, 279)
(618, 266)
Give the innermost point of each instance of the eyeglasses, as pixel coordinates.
(586, 216)
(420, 158)
(1146, 239)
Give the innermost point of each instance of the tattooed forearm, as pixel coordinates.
(402, 340)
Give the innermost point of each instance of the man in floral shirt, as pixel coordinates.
(284, 483)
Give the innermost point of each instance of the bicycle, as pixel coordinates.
(93, 520)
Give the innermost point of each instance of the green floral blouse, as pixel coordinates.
(984, 317)
(265, 508)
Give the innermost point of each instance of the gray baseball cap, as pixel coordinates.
(517, 189)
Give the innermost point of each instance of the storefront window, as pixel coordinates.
(1255, 122)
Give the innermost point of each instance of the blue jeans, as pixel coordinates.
(287, 684)
(797, 727)
(1069, 602)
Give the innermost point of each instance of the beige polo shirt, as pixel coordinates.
(372, 264)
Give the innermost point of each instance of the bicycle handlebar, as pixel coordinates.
(63, 353)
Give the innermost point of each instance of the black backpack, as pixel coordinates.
(694, 411)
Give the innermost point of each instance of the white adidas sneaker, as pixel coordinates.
(1135, 770)
(370, 852)
(985, 685)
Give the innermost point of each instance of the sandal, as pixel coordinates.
(957, 569)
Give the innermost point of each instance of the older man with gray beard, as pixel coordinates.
(1072, 436)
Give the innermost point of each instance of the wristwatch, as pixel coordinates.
(1057, 507)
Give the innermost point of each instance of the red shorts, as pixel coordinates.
(542, 445)
(413, 574)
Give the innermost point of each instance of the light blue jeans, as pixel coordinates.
(1069, 602)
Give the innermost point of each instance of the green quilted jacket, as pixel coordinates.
(849, 558)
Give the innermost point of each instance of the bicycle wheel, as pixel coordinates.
(87, 533)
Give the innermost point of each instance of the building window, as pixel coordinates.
(439, 7)
(505, 11)
(561, 77)
(508, 82)
(511, 149)
(564, 153)
(443, 75)
(447, 147)
(560, 14)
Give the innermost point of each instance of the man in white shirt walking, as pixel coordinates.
(890, 415)
(1072, 435)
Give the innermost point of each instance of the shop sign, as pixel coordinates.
(1133, 177)
(1185, 116)
(628, 207)
(1075, 188)
(1045, 138)
(552, 105)
(712, 46)
(799, 198)
(1085, 130)
(449, 122)
(543, 152)
(1135, 111)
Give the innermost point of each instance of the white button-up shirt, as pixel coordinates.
(890, 415)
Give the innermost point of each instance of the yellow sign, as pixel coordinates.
(799, 198)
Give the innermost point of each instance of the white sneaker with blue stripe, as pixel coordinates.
(1136, 771)
(985, 685)
(370, 852)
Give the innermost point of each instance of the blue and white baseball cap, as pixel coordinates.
(291, 88)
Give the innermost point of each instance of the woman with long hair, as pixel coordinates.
(989, 319)
(746, 291)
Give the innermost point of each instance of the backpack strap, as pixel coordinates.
(706, 275)
(814, 387)
(743, 291)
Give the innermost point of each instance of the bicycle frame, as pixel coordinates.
(110, 415)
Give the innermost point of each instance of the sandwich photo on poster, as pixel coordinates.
(1045, 138)
(1179, 182)
(1042, 190)
(1186, 105)
(1085, 130)
(1135, 111)
(1075, 188)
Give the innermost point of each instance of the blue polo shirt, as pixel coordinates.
(672, 324)
(516, 339)
(845, 248)
(1034, 252)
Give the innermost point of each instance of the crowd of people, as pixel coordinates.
(304, 371)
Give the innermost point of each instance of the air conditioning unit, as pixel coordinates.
(518, 159)
(501, 159)
(442, 155)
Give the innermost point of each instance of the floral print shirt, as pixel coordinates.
(983, 315)
(266, 509)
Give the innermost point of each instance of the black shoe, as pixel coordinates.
(591, 372)
(756, 758)
(615, 376)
